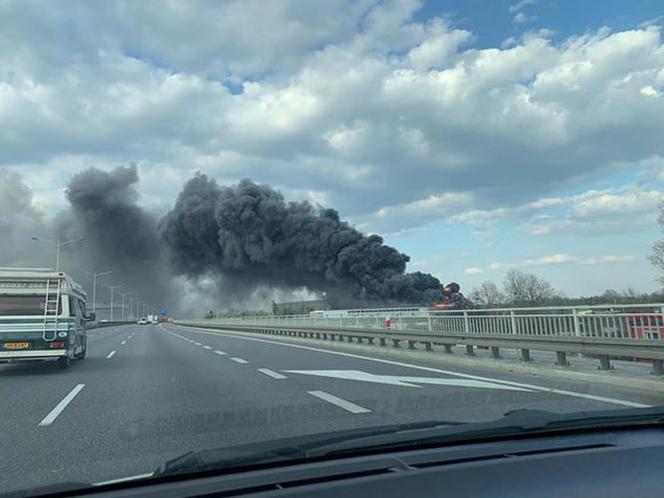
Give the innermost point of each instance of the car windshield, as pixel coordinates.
(242, 231)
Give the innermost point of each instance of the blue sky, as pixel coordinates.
(493, 22)
(476, 136)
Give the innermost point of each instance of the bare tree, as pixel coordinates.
(487, 294)
(657, 252)
(611, 296)
(526, 288)
(630, 293)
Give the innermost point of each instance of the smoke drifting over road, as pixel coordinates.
(221, 246)
(120, 234)
(251, 236)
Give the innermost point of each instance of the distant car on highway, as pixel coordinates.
(142, 321)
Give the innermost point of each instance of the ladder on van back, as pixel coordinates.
(52, 308)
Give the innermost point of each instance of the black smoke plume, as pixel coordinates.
(250, 236)
(120, 235)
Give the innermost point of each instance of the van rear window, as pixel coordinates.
(23, 305)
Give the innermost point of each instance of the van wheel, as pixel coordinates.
(63, 363)
(81, 355)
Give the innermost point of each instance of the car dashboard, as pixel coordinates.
(605, 464)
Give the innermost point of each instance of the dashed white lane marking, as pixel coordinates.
(220, 353)
(50, 418)
(535, 387)
(123, 342)
(272, 373)
(341, 403)
(239, 360)
(197, 343)
(110, 355)
(207, 347)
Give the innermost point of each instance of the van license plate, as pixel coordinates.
(17, 345)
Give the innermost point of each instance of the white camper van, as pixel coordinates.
(42, 316)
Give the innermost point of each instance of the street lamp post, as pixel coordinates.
(58, 245)
(113, 287)
(124, 307)
(131, 306)
(94, 276)
(124, 294)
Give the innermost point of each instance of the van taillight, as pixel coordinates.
(57, 344)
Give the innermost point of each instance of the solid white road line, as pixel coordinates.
(239, 360)
(123, 342)
(342, 403)
(207, 347)
(220, 353)
(534, 387)
(48, 419)
(110, 355)
(271, 373)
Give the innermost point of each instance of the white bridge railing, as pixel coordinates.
(644, 321)
(605, 332)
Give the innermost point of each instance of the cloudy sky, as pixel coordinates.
(477, 136)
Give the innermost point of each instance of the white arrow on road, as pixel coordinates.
(406, 381)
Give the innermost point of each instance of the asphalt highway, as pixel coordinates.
(146, 394)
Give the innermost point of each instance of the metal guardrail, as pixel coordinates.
(98, 325)
(634, 331)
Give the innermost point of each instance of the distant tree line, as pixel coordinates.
(525, 289)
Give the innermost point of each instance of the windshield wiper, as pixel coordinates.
(294, 448)
(515, 423)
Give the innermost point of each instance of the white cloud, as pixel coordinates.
(522, 18)
(519, 6)
(518, 9)
(558, 259)
(616, 210)
(608, 259)
(594, 204)
(388, 118)
(391, 219)
(473, 270)
(649, 170)
(649, 91)
(438, 49)
(555, 259)
(594, 212)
